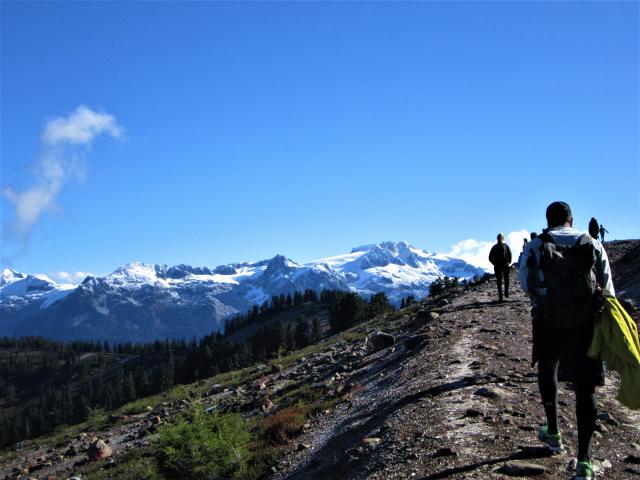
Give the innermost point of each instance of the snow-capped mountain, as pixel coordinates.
(142, 302)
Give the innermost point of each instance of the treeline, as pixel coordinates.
(269, 309)
(44, 384)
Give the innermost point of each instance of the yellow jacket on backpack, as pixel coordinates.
(615, 340)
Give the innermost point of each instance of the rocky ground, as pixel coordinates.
(462, 402)
(455, 396)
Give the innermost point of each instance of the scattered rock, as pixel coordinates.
(493, 393)
(606, 417)
(302, 446)
(632, 459)
(472, 413)
(424, 317)
(518, 468)
(267, 405)
(416, 341)
(445, 452)
(215, 389)
(71, 451)
(99, 450)
(372, 441)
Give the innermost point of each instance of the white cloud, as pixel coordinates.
(81, 127)
(74, 278)
(65, 140)
(476, 252)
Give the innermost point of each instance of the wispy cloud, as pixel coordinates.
(65, 143)
(72, 277)
(81, 127)
(476, 252)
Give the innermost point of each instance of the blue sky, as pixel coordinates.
(235, 131)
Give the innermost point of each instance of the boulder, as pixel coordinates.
(416, 341)
(215, 389)
(425, 316)
(99, 450)
(377, 341)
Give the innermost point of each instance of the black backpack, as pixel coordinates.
(567, 293)
(500, 255)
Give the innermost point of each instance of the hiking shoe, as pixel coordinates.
(554, 442)
(584, 471)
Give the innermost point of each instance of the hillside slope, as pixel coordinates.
(455, 397)
(466, 405)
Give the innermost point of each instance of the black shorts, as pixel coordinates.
(569, 346)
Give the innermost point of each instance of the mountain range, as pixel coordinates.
(145, 302)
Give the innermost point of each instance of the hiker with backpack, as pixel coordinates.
(500, 258)
(564, 271)
(602, 232)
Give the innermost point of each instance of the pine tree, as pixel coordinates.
(316, 330)
(301, 333)
(129, 388)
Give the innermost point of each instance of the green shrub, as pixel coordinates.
(201, 446)
(97, 421)
(134, 408)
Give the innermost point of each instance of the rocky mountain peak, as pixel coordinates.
(9, 275)
(280, 264)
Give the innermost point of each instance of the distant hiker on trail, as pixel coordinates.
(500, 258)
(602, 232)
(593, 228)
(564, 301)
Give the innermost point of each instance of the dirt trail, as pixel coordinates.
(465, 404)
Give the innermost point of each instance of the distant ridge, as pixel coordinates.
(143, 302)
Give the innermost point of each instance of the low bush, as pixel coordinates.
(201, 446)
(284, 425)
(134, 408)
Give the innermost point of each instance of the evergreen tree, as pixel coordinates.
(380, 304)
(129, 388)
(301, 333)
(316, 330)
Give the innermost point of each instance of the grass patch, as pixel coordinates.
(135, 408)
(97, 421)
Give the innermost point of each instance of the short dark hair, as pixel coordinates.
(558, 213)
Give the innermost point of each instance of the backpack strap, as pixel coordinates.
(546, 237)
(584, 239)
